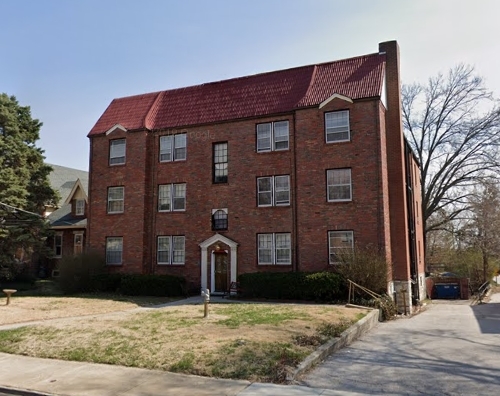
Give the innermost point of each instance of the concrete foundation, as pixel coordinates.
(403, 296)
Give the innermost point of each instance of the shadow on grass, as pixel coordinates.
(50, 289)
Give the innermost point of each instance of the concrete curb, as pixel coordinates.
(22, 392)
(348, 336)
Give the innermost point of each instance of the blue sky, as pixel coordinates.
(69, 59)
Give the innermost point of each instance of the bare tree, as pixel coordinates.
(453, 126)
(482, 232)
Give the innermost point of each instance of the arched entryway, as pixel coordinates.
(221, 261)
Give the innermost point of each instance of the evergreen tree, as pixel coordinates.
(24, 186)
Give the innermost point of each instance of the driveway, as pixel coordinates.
(451, 348)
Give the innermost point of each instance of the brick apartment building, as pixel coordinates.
(271, 172)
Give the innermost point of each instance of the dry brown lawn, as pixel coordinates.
(28, 309)
(259, 342)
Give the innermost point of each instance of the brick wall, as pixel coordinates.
(377, 213)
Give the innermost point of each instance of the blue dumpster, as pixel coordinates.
(447, 290)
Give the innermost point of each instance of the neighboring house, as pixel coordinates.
(272, 172)
(69, 220)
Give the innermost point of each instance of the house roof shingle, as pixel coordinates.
(251, 96)
(63, 179)
(63, 217)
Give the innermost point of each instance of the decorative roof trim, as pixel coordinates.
(78, 184)
(115, 127)
(334, 96)
(69, 227)
(218, 238)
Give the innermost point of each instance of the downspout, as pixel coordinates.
(87, 228)
(295, 200)
(411, 221)
(381, 236)
(153, 170)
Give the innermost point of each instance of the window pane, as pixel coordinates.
(58, 245)
(281, 135)
(178, 249)
(164, 250)
(114, 248)
(337, 126)
(220, 173)
(164, 197)
(264, 137)
(166, 148)
(179, 196)
(339, 185)
(220, 169)
(80, 207)
(117, 152)
(283, 248)
(265, 248)
(339, 241)
(115, 199)
(282, 190)
(180, 147)
(219, 219)
(264, 191)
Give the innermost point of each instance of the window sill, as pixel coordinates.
(275, 206)
(338, 142)
(274, 265)
(114, 265)
(177, 160)
(170, 265)
(272, 151)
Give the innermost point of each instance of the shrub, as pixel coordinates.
(387, 307)
(76, 272)
(109, 283)
(152, 285)
(319, 286)
(364, 266)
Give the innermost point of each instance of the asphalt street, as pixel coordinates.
(451, 348)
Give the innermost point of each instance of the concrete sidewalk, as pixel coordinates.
(34, 376)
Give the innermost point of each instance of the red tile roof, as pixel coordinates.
(258, 95)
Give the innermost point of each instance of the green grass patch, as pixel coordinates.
(252, 360)
(255, 314)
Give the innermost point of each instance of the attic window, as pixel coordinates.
(117, 152)
(337, 126)
(80, 207)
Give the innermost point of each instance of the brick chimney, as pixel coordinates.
(396, 173)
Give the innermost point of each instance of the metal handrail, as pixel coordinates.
(354, 285)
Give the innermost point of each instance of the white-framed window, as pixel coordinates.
(274, 249)
(272, 136)
(273, 190)
(79, 207)
(117, 151)
(116, 199)
(58, 244)
(171, 250)
(114, 250)
(173, 147)
(339, 187)
(337, 126)
(78, 243)
(338, 242)
(219, 219)
(172, 197)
